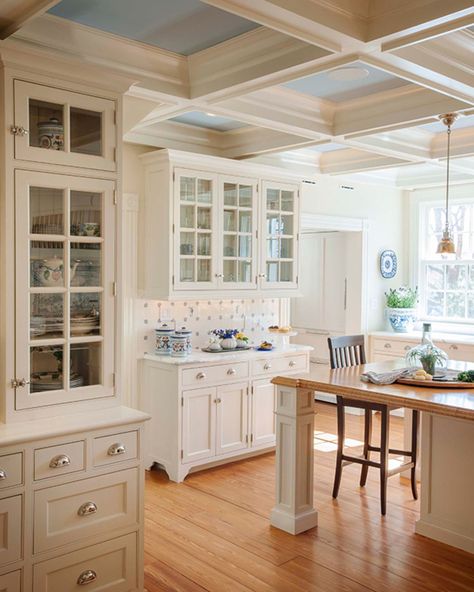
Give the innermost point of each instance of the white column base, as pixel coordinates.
(447, 481)
(294, 511)
(291, 523)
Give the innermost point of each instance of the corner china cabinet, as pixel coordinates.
(71, 473)
(218, 226)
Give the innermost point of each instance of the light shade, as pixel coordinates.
(446, 244)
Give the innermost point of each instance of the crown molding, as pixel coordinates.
(14, 14)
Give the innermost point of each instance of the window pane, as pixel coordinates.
(204, 270)
(230, 245)
(435, 304)
(187, 217)
(245, 196)
(85, 364)
(273, 199)
(471, 277)
(230, 194)
(186, 245)
(86, 264)
(435, 277)
(46, 128)
(186, 270)
(204, 190)
(470, 305)
(46, 315)
(46, 210)
(204, 244)
(46, 368)
(86, 131)
(85, 314)
(47, 264)
(455, 277)
(186, 189)
(455, 304)
(204, 218)
(86, 213)
(230, 270)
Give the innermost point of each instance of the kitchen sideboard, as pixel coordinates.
(71, 491)
(208, 409)
(388, 345)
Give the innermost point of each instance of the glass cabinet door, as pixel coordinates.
(195, 230)
(279, 235)
(65, 230)
(237, 232)
(62, 127)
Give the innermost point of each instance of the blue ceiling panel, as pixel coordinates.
(181, 26)
(321, 85)
(221, 124)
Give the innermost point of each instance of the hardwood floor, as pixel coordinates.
(212, 533)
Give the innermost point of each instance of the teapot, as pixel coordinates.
(50, 272)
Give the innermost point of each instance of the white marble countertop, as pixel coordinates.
(201, 357)
(37, 429)
(416, 336)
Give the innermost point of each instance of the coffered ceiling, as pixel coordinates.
(331, 87)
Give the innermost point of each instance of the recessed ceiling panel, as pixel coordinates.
(329, 147)
(181, 26)
(329, 86)
(213, 122)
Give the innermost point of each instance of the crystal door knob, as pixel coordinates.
(86, 577)
(3, 475)
(61, 460)
(116, 449)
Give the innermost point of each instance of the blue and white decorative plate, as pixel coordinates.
(388, 264)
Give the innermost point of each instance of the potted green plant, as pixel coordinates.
(401, 308)
(430, 357)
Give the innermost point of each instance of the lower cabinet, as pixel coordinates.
(10, 529)
(230, 416)
(11, 582)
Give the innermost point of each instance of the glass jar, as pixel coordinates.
(180, 341)
(426, 354)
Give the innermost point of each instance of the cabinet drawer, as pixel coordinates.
(462, 352)
(108, 567)
(283, 365)
(77, 510)
(392, 347)
(215, 374)
(11, 582)
(10, 529)
(115, 448)
(11, 470)
(59, 460)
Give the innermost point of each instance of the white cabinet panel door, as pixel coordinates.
(263, 412)
(10, 529)
(231, 424)
(199, 424)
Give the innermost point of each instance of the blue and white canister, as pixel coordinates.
(181, 342)
(163, 339)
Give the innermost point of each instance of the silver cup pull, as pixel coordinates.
(292, 364)
(200, 375)
(116, 449)
(231, 371)
(267, 366)
(3, 475)
(61, 460)
(86, 577)
(87, 509)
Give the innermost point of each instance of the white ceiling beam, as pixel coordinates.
(384, 110)
(135, 111)
(332, 26)
(353, 160)
(248, 62)
(14, 14)
(247, 142)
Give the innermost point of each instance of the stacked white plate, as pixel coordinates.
(84, 325)
(52, 381)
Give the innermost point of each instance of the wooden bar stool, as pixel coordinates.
(350, 351)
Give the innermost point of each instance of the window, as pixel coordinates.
(447, 284)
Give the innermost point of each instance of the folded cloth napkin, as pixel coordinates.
(386, 377)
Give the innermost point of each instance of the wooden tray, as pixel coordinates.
(226, 351)
(447, 384)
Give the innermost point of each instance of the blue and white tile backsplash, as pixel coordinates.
(253, 316)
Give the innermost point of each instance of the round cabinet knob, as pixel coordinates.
(267, 366)
(61, 460)
(231, 371)
(3, 475)
(200, 375)
(453, 346)
(292, 364)
(217, 400)
(219, 275)
(87, 509)
(86, 577)
(387, 345)
(116, 449)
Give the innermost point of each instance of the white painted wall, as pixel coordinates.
(386, 210)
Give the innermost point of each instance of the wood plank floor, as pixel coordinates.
(212, 533)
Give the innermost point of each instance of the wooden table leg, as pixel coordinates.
(294, 511)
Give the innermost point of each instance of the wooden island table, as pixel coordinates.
(447, 448)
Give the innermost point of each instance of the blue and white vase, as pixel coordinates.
(402, 320)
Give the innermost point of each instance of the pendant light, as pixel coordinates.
(446, 244)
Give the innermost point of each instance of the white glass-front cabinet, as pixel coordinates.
(279, 245)
(215, 224)
(56, 126)
(65, 273)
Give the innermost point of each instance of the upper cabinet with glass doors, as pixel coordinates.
(280, 224)
(65, 273)
(56, 126)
